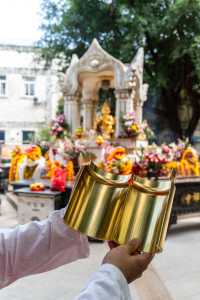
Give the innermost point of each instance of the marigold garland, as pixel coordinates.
(17, 158)
(69, 169)
(117, 153)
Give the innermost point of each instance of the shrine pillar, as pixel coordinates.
(138, 108)
(124, 104)
(89, 102)
(89, 113)
(72, 111)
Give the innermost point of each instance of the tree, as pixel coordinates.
(169, 31)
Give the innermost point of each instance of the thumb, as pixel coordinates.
(133, 246)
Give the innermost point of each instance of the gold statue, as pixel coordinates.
(105, 123)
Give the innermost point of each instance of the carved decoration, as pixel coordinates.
(71, 78)
(96, 59)
(85, 75)
(139, 90)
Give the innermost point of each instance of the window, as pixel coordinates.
(2, 137)
(29, 86)
(2, 85)
(28, 136)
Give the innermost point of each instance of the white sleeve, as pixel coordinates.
(38, 247)
(106, 284)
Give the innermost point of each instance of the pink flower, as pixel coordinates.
(165, 149)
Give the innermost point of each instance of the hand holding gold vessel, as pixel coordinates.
(114, 207)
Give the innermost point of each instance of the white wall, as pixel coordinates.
(17, 111)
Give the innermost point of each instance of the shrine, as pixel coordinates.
(97, 69)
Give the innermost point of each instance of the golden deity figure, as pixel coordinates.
(105, 122)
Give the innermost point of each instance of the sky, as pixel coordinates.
(19, 21)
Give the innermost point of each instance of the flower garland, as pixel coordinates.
(33, 153)
(188, 163)
(48, 166)
(17, 157)
(69, 169)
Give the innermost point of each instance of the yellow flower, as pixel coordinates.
(117, 153)
(126, 167)
(99, 140)
(69, 168)
(135, 127)
(17, 158)
(33, 153)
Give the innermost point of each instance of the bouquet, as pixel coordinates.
(59, 127)
(130, 124)
(152, 162)
(116, 160)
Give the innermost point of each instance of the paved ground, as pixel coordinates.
(174, 274)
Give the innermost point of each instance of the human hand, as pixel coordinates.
(128, 259)
(112, 244)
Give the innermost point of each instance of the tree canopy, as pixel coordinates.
(169, 31)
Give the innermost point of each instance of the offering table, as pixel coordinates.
(187, 198)
(36, 206)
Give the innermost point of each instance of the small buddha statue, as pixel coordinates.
(105, 123)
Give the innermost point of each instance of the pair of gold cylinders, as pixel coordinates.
(113, 207)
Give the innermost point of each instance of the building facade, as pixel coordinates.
(28, 94)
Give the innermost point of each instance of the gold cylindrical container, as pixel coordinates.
(145, 215)
(113, 207)
(94, 200)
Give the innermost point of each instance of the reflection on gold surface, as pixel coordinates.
(115, 207)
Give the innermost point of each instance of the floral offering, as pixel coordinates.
(59, 127)
(69, 169)
(117, 153)
(48, 166)
(37, 187)
(33, 153)
(130, 124)
(79, 133)
(17, 157)
(151, 165)
(72, 149)
(115, 160)
(76, 151)
(187, 164)
(58, 177)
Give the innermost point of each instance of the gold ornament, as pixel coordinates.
(106, 122)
